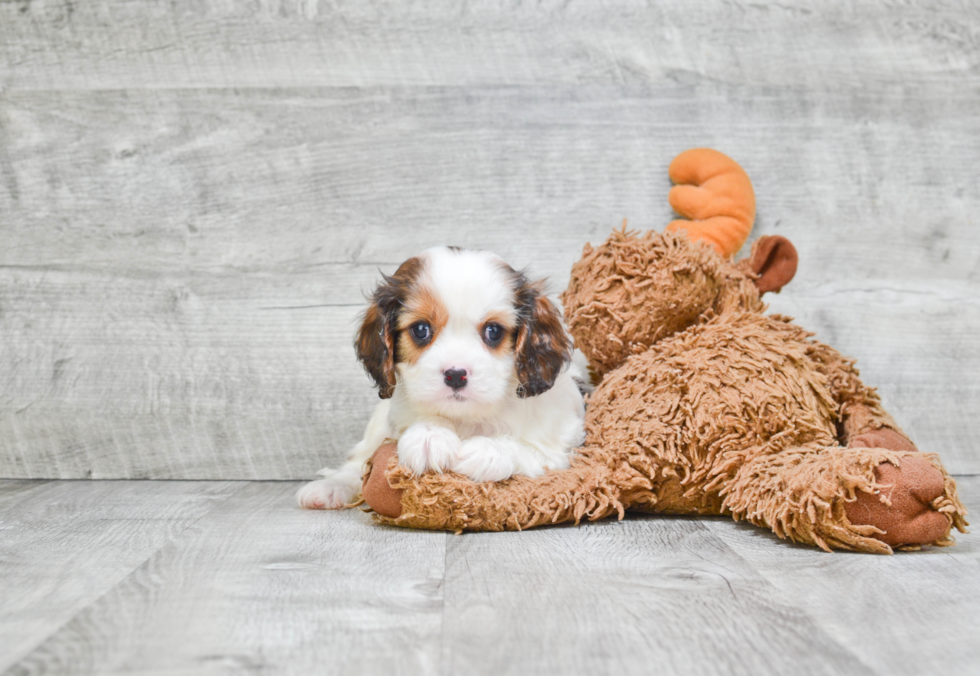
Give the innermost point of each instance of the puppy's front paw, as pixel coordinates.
(326, 494)
(485, 459)
(423, 447)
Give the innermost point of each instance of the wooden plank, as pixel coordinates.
(265, 384)
(13, 492)
(226, 389)
(150, 183)
(125, 387)
(65, 544)
(177, 316)
(650, 593)
(913, 613)
(294, 43)
(205, 577)
(259, 584)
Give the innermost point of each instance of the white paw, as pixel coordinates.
(326, 494)
(486, 459)
(423, 447)
(563, 461)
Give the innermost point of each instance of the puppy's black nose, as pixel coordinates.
(455, 378)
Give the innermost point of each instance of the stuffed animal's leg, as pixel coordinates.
(867, 499)
(860, 410)
(900, 507)
(588, 489)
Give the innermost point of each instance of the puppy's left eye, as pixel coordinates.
(493, 334)
(421, 332)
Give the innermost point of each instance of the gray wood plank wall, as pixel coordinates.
(195, 196)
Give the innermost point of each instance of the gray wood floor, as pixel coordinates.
(136, 577)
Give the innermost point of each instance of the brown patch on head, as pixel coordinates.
(422, 305)
(542, 347)
(377, 339)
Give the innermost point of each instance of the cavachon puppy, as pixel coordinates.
(473, 366)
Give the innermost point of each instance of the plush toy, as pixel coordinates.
(705, 404)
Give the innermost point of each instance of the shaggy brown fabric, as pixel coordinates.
(630, 292)
(708, 399)
(803, 494)
(589, 489)
(708, 406)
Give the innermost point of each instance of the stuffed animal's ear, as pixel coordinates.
(774, 260)
(542, 348)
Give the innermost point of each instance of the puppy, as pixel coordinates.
(473, 366)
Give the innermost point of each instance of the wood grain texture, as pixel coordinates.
(65, 544)
(221, 383)
(263, 586)
(649, 593)
(58, 44)
(871, 186)
(209, 578)
(195, 197)
(913, 613)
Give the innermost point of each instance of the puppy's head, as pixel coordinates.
(459, 331)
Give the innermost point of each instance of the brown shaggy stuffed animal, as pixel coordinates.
(705, 405)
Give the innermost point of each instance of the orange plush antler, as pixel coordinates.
(715, 193)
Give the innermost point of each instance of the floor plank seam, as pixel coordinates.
(779, 594)
(10, 668)
(442, 615)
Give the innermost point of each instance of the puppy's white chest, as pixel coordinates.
(469, 431)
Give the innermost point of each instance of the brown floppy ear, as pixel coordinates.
(376, 339)
(375, 346)
(774, 260)
(542, 347)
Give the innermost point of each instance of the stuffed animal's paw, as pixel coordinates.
(882, 438)
(425, 447)
(902, 507)
(377, 492)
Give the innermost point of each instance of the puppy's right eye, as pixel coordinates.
(421, 332)
(493, 334)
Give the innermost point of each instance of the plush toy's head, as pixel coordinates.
(632, 291)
